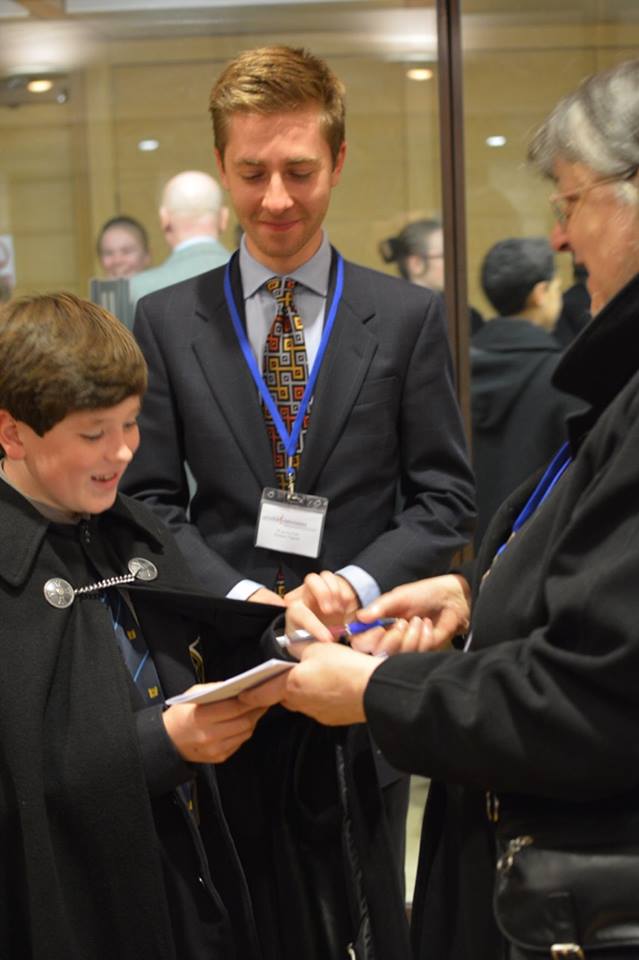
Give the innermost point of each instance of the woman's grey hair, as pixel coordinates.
(597, 125)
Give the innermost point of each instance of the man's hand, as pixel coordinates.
(322, 599)
(264, 595)
(443, 601)
(327, 593)
(328, 685)
(210, 732)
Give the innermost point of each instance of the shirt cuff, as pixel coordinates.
(243, 590)
(365, 586)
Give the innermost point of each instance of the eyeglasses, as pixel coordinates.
(563, 205)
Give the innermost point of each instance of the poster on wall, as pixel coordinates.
(7, 266)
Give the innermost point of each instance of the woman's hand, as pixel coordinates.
(441, 603)
(328, 685)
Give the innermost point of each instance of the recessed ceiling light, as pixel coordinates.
(39, 86)
(496, 141)
(146, 146)
(419, 73)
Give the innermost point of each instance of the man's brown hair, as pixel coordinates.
(275, 79)
(60, 354)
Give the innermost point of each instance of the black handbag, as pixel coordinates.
(568, 893)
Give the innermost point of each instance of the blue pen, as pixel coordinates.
(345, 630)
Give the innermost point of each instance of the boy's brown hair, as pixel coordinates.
(276, 79)
(60, 354)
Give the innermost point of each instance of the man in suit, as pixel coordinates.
(192, 216)
(378, 488)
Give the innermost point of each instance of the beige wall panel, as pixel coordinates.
(185, 143)
(42, 206)
(46, 262)
(423, 173)
(35, 151)
(37, 205)
(154, 91)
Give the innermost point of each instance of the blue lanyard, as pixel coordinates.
(551, 477)
(289, 440)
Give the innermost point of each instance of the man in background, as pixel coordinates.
(192, 217)
(518, 416)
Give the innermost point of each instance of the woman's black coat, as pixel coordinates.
(542, 711)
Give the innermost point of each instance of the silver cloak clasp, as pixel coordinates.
(59, 592)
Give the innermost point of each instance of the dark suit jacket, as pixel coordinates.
(384, 416)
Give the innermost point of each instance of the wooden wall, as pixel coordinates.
(66, 168)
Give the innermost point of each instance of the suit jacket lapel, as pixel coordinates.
(218, 352)
(348, 357)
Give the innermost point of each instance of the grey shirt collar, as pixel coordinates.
(314, 274)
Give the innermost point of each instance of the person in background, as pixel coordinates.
(575, 310)
(517, 414)
(418, 251)
(123, 247)
(531, 736)
(192, 217)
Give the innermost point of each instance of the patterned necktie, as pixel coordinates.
(285, 373)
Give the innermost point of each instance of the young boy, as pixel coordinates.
(113, 845)
(112, 837)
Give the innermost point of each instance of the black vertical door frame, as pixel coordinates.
(451, 127)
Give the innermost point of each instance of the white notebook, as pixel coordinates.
(210, 692)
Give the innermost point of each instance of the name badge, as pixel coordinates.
(291, 522)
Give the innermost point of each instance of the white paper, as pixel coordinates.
(211, 692)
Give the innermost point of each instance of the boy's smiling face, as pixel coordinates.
(77, 465)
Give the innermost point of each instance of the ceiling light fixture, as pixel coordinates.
(419, 73)
(39, 85)
(146, 146)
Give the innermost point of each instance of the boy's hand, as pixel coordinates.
(210, 732)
